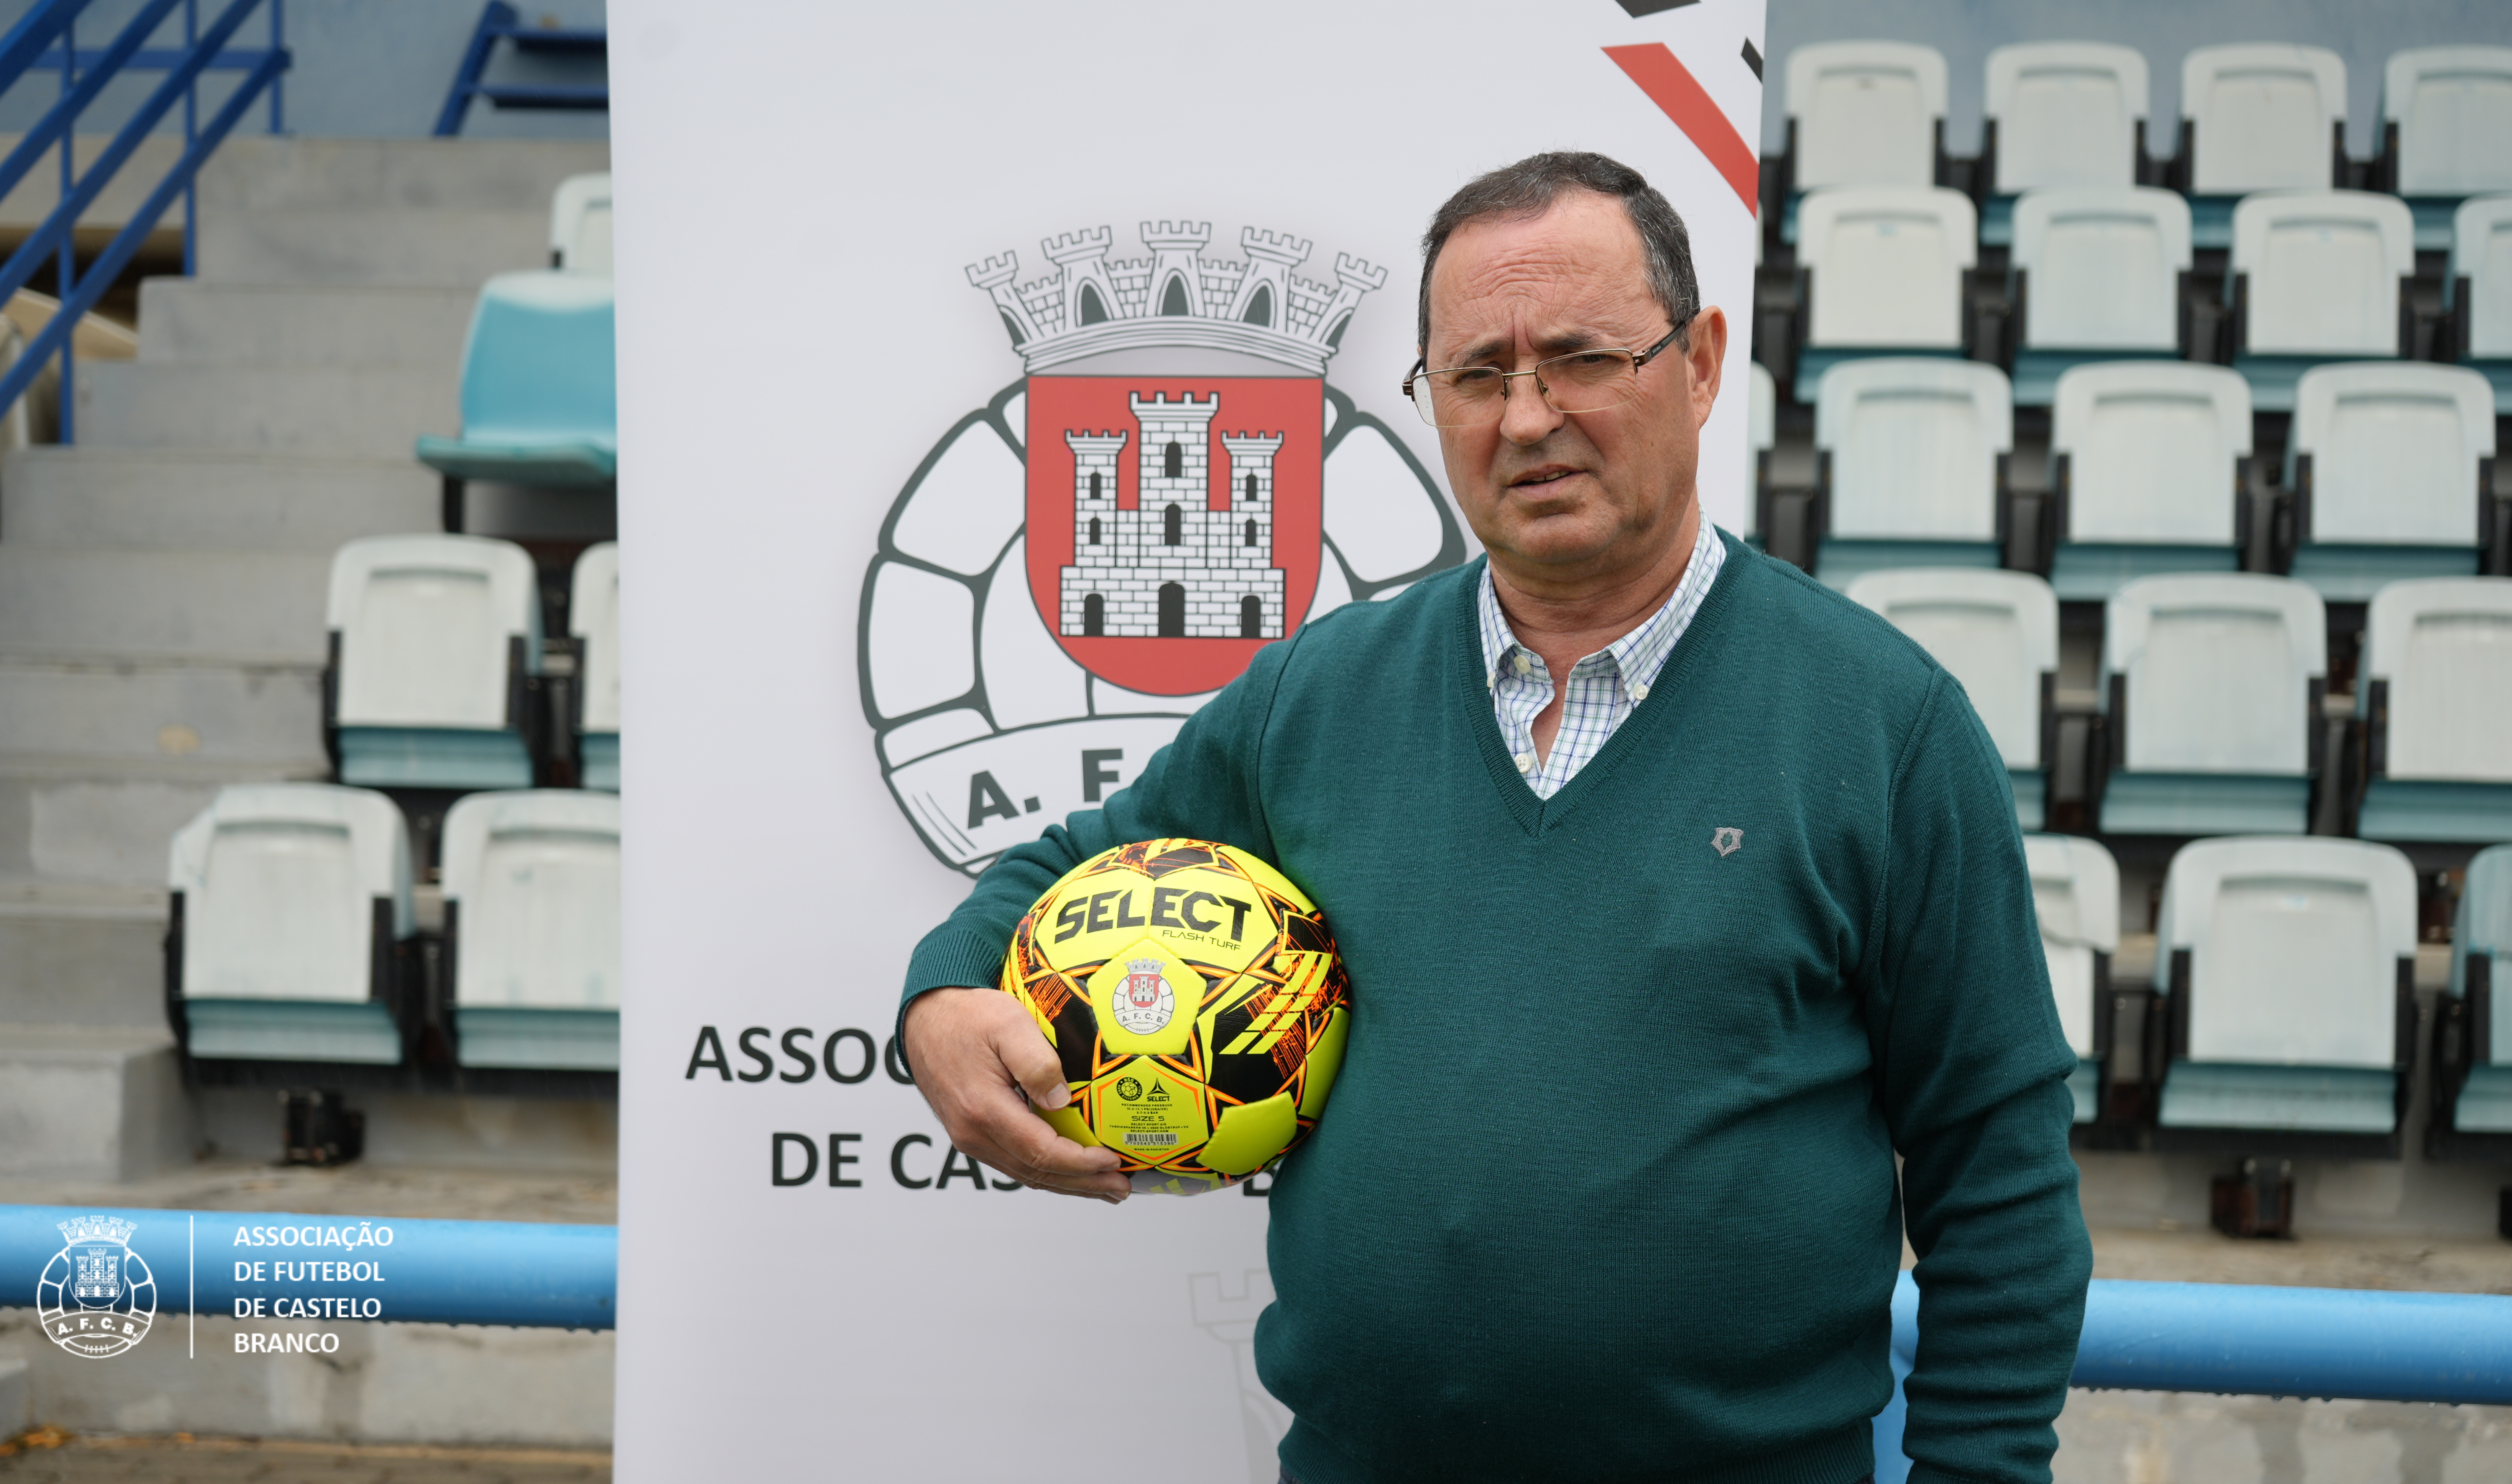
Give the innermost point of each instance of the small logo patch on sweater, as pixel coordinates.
(1727, 841)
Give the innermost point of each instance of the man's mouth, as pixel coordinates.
(1540, 478)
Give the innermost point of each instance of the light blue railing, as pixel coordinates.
(44, 40)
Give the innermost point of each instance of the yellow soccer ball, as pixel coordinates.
(1197, 1001)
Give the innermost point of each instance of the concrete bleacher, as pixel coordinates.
(162, 582)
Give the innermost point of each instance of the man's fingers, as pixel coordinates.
(980, 1060)
(1033, 1064)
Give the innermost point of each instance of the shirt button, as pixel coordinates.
(1518, 663)
(1640, 692)
(1527, 762)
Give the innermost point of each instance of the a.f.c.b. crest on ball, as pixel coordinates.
(1080, 563)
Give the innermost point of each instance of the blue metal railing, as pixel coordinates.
(2227, 1338)
(46, 36)
(500, 22)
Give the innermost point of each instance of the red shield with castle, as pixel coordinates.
(1174, 433)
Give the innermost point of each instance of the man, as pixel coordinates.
(1679, 896)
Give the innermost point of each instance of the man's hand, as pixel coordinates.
(981, 1062)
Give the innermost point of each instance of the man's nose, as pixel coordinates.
(1525, 417)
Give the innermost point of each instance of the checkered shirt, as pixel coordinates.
(1603, 687)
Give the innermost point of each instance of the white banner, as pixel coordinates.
(926, 313)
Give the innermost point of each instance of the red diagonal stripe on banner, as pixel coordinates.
(1662, 77)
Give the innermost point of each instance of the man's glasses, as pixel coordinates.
(1583, 381)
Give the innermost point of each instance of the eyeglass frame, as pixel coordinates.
(1639, 359)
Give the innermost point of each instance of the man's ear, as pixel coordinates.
(1706, 357)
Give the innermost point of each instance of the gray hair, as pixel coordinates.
(1529, 187)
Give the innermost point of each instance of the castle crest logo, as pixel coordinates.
(96, 1298)
(1172, 486)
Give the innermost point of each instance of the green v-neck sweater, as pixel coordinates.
(1605, 1189)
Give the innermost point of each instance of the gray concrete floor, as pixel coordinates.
(50, 1457)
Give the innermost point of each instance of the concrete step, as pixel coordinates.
(376, 411)
(444, 246)
(94, 822)
(82, 954)
(108, 712)
(196, 500)
(262, 172)
(88, 1103)
(187, 319)
(241, 607)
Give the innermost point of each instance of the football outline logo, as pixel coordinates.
(1176, 385)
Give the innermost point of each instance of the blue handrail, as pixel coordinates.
(500, 22)
(46, 35)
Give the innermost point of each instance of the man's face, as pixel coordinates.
(1558, 496)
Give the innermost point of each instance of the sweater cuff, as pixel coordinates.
(949, 957)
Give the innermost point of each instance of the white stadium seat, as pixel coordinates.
(580, 224)
(2146, 473)
(1909, 454)
(2212, 685)
(290, 904)
(2062, 113)
(1884, 269)
(2436, 700)
(593, 619)
(2287, 967)
(532, 929)
(2075, 894)
(2317, 276)
(1864, 113)
(2479, 291)
(1997, 631)
(2481, 998)
(2447, 128)
(2096, 271)
(2262, 118)
(2388, 465)
(435, 640)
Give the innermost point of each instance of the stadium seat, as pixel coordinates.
(2473, 1079)
(2075, 893)
(593, 618)
(539, 398)
(2477, 292)
(2211, 685)
(2446, 121)
(2286, 968)
(1762, 434)
(580, 224)
(1862, 113)
(2146, 468)
(2257, 118)
(2060, 113)
(2388, 468)
(1997, 631)
(2096, 274)
(291, 906)
(1883, 267)
(2317, 276)
(532, 929)
(1910, 466)
(436, 648)
(2435, 699)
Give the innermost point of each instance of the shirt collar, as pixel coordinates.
(1640, 654)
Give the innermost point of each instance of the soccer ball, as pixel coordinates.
(1197, 1001)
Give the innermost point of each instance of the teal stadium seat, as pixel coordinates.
(1861, 113)
(2059, 114)
(2445, 115)
(2477, 292)
(2145, 474)
(2317, 276)
(2075, 894)
(2096, 276)
(580, 224)
(2389, 468)
(2258, 117)
(540, 392)
(290, 906)
(532, 929)
(1997, 631)
(593, 618)
(2481, 984)
(1910, 465)
(2435, 701)
(436, 648)
(1884, 268)
(2211, 690)
(2286, 968)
